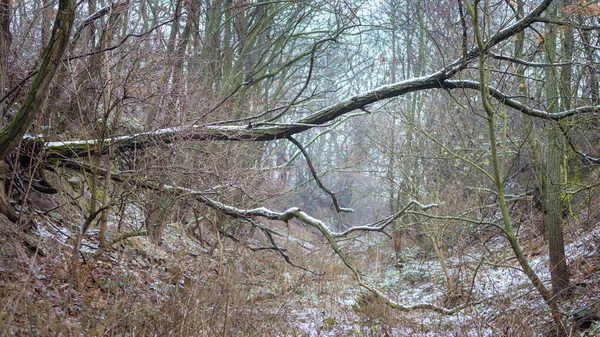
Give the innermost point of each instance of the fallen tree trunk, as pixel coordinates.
(274, 131)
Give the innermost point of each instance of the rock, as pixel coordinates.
(75, 180)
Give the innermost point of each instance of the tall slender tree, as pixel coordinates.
(554, 159)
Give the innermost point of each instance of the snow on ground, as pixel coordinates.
(496, 285)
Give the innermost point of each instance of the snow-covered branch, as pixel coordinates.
(267, 132)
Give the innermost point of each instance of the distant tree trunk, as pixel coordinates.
(590, 71)
(45, 29)
(92, 32)
(211, 45)
(177, 102)
(554, 155)
(5, 42)
(394, 195)
(157, 215)
(535, 159)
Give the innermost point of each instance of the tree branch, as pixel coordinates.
(317, 179)
(506, 100)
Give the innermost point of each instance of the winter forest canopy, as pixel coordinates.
(299, 168)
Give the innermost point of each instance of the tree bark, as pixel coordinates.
(15, 130)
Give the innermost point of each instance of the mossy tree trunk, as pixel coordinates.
(12, 134)
(15, 130)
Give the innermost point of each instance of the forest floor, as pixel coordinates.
(185, 287)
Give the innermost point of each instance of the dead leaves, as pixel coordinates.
(583, 8)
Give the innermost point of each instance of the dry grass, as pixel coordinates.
(141, 289)
(180, 289)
